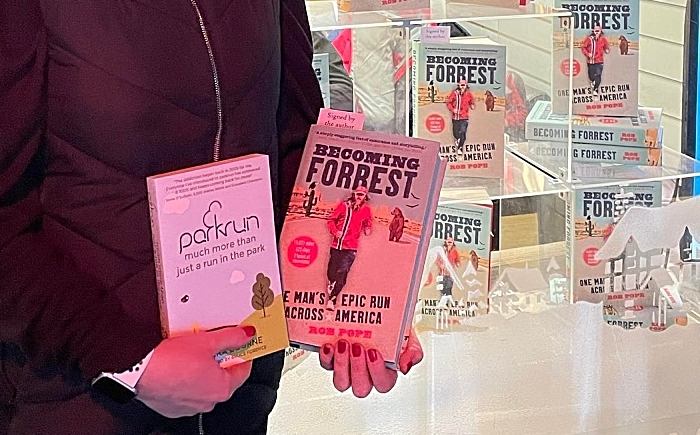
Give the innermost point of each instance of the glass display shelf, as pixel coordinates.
(520, 180)
(324, 14)
(675, 166)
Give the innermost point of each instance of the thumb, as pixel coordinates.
(230, 337)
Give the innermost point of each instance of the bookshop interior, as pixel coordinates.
(536, 274)
(560, 291)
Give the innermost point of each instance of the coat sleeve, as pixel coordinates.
(335, 218)
(586, 47)
(300, 97)
(55, 315)
(451, 101)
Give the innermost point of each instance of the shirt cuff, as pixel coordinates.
(131, 377)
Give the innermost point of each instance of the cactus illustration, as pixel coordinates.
(431, 92)
(312, 200)
(262, 294)
(589, 226)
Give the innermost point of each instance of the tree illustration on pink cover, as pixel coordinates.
(262, 294)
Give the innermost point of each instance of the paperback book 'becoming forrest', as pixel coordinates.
(355, 237)
(459, 100)
(456, 276)
(591, 215)
(215, 252)
(605, 64)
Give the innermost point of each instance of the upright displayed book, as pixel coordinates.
(591, 216)
(642, 130)
(605, 64)
(354, 238)
(459, 100)
(215, 252)
(321, 67)
(380, 5)
(456, 275)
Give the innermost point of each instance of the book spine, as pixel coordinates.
(543, 130)
(158, 257)
(586, 153)
(488, 257)
(414, 88)
(536, 129)
(569, 242)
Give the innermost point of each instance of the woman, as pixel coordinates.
(94, 97)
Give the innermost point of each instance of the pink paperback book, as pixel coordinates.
(215, 252)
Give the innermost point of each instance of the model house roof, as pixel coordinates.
(524, 280)
(656, 227)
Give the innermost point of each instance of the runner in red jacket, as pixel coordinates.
(595, 47)
(458, 103)
(350, 219)
(453, 257)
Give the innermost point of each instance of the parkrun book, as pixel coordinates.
(355, 237)
(215, 252)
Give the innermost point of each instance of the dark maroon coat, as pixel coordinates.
(95, 96)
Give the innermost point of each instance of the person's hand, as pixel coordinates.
(362, 370)
(183, 378)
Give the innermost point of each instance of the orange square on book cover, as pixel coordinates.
(215, 252)
(355, 237)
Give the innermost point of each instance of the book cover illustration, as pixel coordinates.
(590, 153)
(380, 5)
(641, 130)
(593, 215)
(215, 252)
(352, 243)
(457, 265)
(605, 64)
(321, 67)
(459, 100)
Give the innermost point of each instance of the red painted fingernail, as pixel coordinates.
(372, 354)
(356, 350)
(326, 349)
(249, 330)
(342, 346)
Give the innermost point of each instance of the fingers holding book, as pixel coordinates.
(362, 369)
